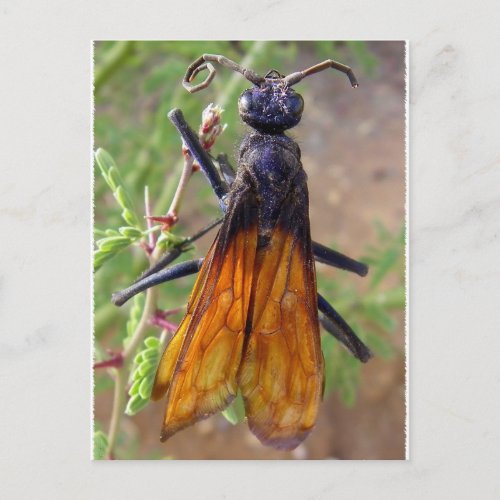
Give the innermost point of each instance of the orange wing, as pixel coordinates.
(199, 366)
(281, 374)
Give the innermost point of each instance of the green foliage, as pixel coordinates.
(235, 412)
(370, 314)
(100, 445)
(143, 375)
(115, 241)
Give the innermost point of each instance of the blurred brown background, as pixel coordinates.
(353, 151)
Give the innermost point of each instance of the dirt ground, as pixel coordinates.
(353, 150)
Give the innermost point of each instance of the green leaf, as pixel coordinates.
(113, 243)
(146, 367)
(150, 354)
(111, 175)
(130, 232)
(146, 387)
(100, 258)
(100, 445)
(104, 161)
(235, 413)
(129, 217)
(134, 389)
(135, 404)
(152, 342)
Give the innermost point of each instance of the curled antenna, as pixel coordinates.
(294, 78)
(203, 63)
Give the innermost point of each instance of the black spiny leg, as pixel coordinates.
(336, 259)
(333, 323)
(200, 155)
(169, 274)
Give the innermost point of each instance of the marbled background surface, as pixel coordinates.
(45, 248)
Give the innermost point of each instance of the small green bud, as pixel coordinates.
(134, 389)
(121, 197)
(146, 387)
(104, 161)
(145, 368)
(150, 354)
(100, 258)
(129, 217)
(135, 405)
(113, 178)
(130, 232)
(113, 243)
(152, 342)
(138, 358)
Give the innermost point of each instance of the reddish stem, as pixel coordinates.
(116, 361)
(167, 221)
(158, 320)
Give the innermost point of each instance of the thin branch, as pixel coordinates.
(121, 374)
(187, 171)
(149, 222)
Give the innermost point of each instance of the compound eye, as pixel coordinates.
(295, 105)
(245, 102)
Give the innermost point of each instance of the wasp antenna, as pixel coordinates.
(294, 78)
(203, 63)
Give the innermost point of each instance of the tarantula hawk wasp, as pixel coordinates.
(252, 320)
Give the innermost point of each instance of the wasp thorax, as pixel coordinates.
(272, 108)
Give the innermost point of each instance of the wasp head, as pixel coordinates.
(272, 106)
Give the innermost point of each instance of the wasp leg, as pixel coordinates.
(169, 274)
(183, 246)
(226, 168)
(333, 323)
(192, 142)
(336, 259)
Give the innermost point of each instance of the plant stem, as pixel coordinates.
(118, 408)
(187, 171)
(121, 374)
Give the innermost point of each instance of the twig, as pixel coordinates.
(121, 374)
(187, 171)
(149, 222)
